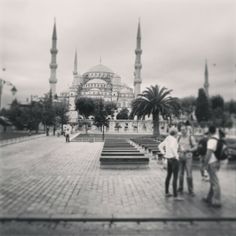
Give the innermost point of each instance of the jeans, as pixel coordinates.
(214, 195)
(202, 166)
(172, 167)
(67, 138)
(185, 163)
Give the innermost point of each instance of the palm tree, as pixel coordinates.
(155, 101)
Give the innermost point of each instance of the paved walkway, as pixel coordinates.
(49, 178)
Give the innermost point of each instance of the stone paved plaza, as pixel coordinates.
(49, 178)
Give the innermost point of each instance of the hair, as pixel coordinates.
(212, 129)
(173, 131)
(221, 133)
(187, 123)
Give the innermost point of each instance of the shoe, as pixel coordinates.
(180, 191)
(178, 198)
(206, 200)
(218, 205)
(168, 195)
(192, 194)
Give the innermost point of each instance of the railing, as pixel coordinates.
(115, 220)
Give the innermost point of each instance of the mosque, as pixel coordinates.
(98, 82)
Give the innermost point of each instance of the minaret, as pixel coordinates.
(75, 72)
(53, 64)
(206, 82)
(138, 65)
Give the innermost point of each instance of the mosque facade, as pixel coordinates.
(98, 82)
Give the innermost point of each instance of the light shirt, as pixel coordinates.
(186, 142)
(211, 145)
(171, 147)
(67, 132)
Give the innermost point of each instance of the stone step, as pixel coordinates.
(122, 154)
(124, 159)
(120, 150)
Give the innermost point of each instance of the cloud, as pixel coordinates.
(177, 37)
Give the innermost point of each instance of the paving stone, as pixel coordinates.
(48, 177)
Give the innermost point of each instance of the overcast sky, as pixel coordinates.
(177, 37)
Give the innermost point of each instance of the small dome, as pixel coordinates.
(100, 68)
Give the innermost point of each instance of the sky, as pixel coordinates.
(177, 37)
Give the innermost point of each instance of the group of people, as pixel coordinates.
(66, 133)
(178, 151)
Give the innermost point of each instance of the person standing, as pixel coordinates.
(187, 145)
(169, 148)
(67, 135)
(47, 131)
(213, 165)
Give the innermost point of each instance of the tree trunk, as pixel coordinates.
(155, 119)
(103, 134)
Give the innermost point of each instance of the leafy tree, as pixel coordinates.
(217, 111)
(187, 104)
(217, 102)
(230, 107)
(110, 108)
(61, 110)
(35, 116)
(202, 106)
(85, 106)
(155, 101)
(123, 114)
(49, 114)
(102, 111)
(17, 115)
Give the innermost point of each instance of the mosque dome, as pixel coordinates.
(100, 68)
(99, 71)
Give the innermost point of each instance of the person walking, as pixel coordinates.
(213, 165)
(169, 148)
(202, 150)
(187, 145)
(67, 135)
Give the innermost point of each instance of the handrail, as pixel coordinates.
(116, 219)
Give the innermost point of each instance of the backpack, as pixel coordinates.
(222, 150)
(202, 147)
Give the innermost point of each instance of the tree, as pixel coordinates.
(217, 102)
(35, 110)
(217, 111)
(187, 104)
(230, 107)
(155, 101)
(49, 114)
(123, 114)
(25, 115)
(202, 106)
(17, 115)
(61, 110)
(102, 111)
(110, 108)
(85, 106)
